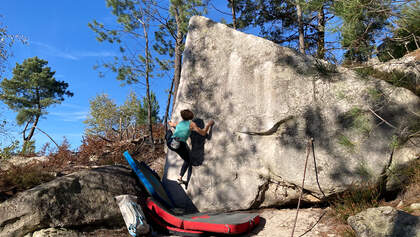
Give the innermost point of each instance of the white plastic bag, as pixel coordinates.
(133, 215)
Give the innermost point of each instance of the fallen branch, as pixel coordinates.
(373, 112)
(48, 136)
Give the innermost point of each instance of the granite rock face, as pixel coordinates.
(267, 101)
(81, 199)
(385, 221)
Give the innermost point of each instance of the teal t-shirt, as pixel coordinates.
(182, 130)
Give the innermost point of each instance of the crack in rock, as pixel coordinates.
(272, 130)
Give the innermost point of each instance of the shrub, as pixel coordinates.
(20, 178)
(396, 78)
(8, 151)
(357, 198)
(28, 148)
(64, 160)
(346, 142)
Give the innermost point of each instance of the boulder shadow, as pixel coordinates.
(198, 142)
(181, 198)
(405, 225)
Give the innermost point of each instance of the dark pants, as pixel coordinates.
(184, 152)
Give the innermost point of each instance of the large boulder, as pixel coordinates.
(78, 200)
(267, 101)
(385, 221)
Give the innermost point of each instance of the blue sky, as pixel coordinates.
(57, 31)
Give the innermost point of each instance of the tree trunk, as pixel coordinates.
(149, 100)
(24, 130)
(120, 128)
(233, 14)
(178, 57)
(165, 120)
(300, 27)
(321, 34)
(31, 133)
(26, 139)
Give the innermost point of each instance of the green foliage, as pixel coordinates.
(396, 78)
(103, 116)
(129, 110)
(359, 120)
(341, 95)
(363, 171)
(374, 94)
(362, 196)
(185, 10)
(8, 151)
(356, 199)
(406, 33)
(131, 65)
(31, 90)
(276, 20)
(346, 142)
(142, 114)
(362, 22)
(394, 142)
(172, 32)
(28, 148)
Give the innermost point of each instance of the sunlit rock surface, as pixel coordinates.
(267, 101)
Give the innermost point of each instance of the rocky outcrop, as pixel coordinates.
(385, 221)
(75, 201)
(410, 63)
(267, 100)
(5, 164)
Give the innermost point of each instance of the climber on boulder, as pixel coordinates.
(177, 141)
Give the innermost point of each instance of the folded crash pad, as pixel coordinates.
(149, 180)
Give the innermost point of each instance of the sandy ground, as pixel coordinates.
(310, 222)
(275, 222)
(279, 222)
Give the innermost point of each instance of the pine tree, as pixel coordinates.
(30, 91)
(362, 22)
(141, 117)
(288, 23)
(406, 33)
(134, 16)
(170, 39)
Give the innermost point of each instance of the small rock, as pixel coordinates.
(53, 232)
(385, 221)
(415, 206)
(400, 204)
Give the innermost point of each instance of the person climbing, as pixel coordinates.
(178, 141)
